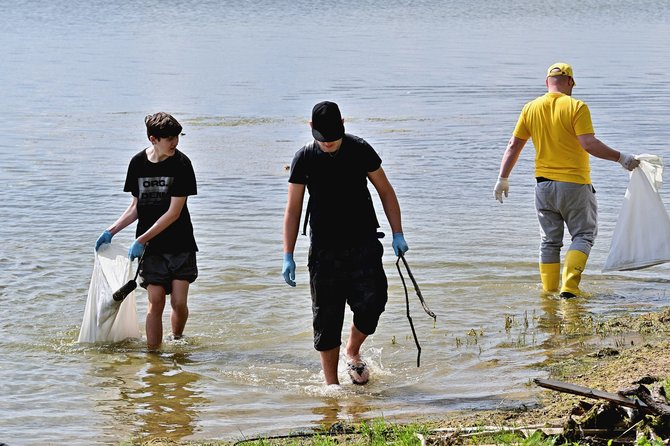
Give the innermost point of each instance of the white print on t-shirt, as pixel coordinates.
(154, 190)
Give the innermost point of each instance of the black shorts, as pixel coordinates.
(346, 275)
(162, 269)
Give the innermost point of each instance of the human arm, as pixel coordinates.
(510, 157)
(296, 194)
(599, 149)
(128, 217)
(165, 220)
(391, 208)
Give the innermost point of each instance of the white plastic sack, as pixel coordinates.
(642, 234)
(106, 320)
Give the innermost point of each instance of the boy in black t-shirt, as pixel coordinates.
(160, 179)
(345, 258)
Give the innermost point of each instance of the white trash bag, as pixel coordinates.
(106, 320)
(642, 234)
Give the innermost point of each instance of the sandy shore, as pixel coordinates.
(631, 347)
(611, 355)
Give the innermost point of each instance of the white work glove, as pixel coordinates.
(502, 187)
(628, 161)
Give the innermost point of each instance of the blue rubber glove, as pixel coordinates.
(288, 270)
(135, 251)
(399, 244)
(105, 237)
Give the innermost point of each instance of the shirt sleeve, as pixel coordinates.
(298, 173)
(521, 130)
(372, 159)
(131, 179)
(184, 182)
(583, 124)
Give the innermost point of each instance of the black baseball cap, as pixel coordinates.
(327, 123)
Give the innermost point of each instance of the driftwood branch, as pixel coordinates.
(644, 395)
(574, 389)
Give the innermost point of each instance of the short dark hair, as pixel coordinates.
(162, 125)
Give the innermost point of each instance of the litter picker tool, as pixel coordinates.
(423, 303)
(130, 286)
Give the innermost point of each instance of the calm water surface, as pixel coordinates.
(435, 87)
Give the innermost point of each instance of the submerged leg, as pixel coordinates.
(154, 321)
(178, 301)
(329, 360)
(550, 273)
(575, 262)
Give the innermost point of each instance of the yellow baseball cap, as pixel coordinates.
(560, 69)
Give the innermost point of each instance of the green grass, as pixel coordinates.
(374, 433)
(379, 432)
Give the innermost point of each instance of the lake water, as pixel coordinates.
(434, 86)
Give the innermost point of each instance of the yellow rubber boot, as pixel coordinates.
(575, 262)
(550, 273)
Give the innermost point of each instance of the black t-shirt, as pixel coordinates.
(340, 207)
(154, 184)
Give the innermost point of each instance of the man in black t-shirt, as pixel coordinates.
(345, 259)
(160, 179)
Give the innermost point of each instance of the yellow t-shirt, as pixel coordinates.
(553, 121)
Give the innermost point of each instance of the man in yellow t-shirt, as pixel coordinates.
(562, 133)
